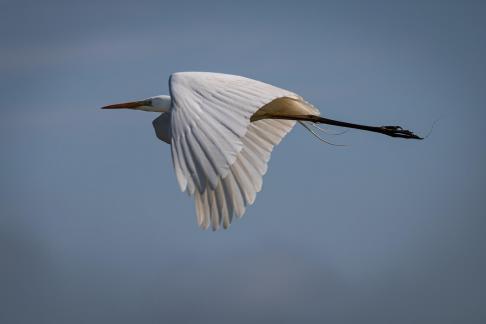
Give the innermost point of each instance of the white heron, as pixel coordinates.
(222, 129)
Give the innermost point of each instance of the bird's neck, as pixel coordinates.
(159, 104)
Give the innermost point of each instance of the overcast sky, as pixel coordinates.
(93, 227)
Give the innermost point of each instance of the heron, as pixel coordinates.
(222, 129)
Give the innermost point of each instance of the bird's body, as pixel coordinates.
(222, 129)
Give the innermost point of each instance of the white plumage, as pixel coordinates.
(222, 130)
(219, 156)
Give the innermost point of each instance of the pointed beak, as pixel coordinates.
(127, 105)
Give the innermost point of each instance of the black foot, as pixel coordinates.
(397, 131)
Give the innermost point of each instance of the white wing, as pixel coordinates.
(219, 157)
(238, 188)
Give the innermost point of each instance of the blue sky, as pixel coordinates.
(93, 227)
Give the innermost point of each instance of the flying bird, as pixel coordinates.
(222, 129)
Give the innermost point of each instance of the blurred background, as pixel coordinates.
(93, 228)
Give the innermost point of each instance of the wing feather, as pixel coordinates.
(213, 209)
(200, 212)
(233, 190)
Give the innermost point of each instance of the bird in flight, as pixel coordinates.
(222, 129)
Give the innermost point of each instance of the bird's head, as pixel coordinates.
(156, 104)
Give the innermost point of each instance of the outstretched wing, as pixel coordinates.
(219, 157)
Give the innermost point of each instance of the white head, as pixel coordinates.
(156, 104)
